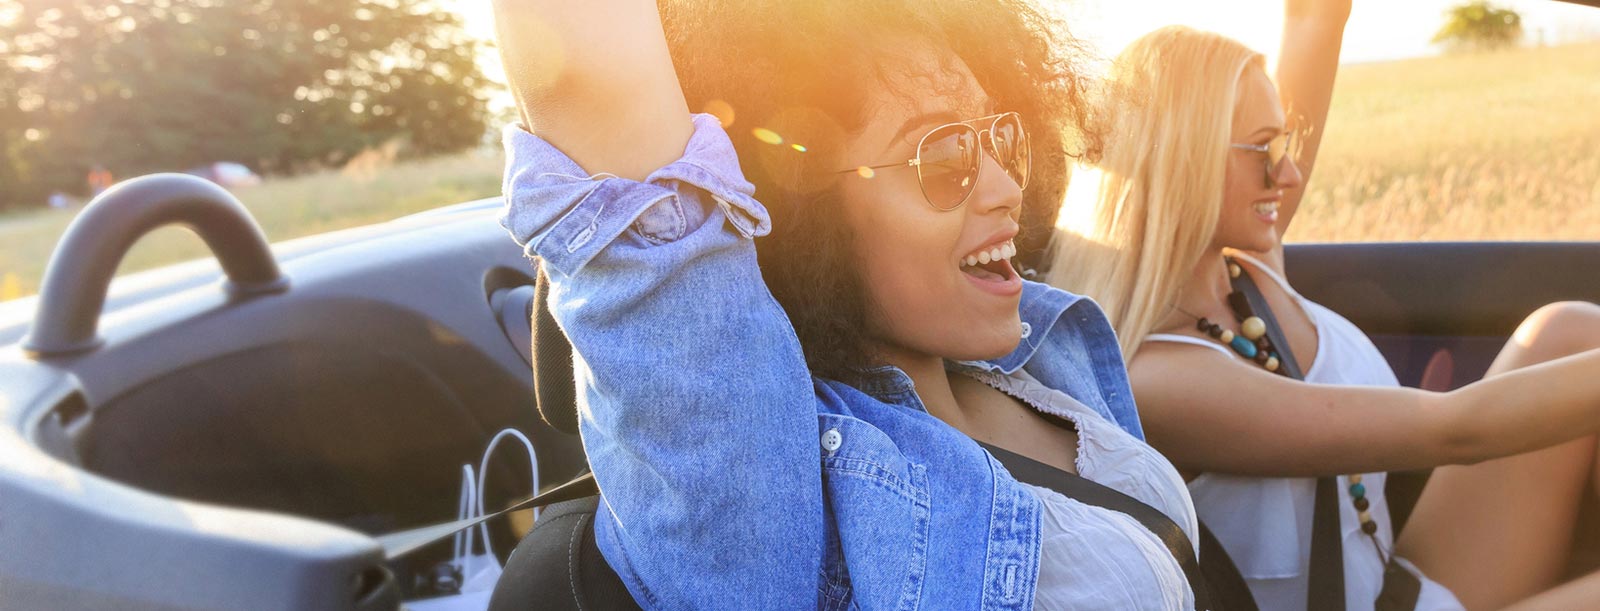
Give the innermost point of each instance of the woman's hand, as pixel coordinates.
(594, 79)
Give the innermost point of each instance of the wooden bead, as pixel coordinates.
(1364, 516)
(1362, 504)
(1271, 364)
(1253, 328)
(1202, 325)
(1370, 528)
(1226, 337)
(1263, 344)
(1261, 357)
(1234, 271)
(1355, 478)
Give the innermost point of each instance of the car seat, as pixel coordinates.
(557, 566)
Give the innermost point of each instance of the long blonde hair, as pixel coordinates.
(1170, 99)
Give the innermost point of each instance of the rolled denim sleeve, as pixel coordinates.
(697, 411)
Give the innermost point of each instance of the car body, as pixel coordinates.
(337, 407)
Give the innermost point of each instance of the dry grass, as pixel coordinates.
(286, 208)
(1504, 146)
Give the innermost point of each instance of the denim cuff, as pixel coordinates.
(565, 216)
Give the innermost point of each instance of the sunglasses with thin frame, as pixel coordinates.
(1277, 149)
(949, 158)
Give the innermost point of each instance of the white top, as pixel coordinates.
(1265, 522)
(1096, 558)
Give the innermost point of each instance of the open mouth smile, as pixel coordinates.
(989, 268)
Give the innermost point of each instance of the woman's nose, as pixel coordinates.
(1288, 176)
(995, 189)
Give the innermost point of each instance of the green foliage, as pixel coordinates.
(1479, 25)
(280, 85)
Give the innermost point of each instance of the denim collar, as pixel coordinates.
(888, 384)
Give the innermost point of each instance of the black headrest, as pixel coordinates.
(553, 386)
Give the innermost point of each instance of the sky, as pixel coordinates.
(1378, 30)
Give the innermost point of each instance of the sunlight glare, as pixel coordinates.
(722, 110)
(766, 135)
(1077, 207)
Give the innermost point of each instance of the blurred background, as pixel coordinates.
(1452, 120)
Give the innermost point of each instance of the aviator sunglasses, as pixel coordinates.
(1276, 149)
(949, 157)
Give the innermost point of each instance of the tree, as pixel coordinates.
(1479, 25)
(280, 85)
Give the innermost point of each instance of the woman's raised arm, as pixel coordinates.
(594, 78)
(1313, 32)
(697, 411)
(1210, 414)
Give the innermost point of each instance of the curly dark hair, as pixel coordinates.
(803, 70)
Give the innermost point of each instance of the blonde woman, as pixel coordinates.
(1197, 168)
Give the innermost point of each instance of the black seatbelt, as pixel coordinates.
(400, 543)
(1326, 591)
(1228, 588)
(1030, 471)
(1326, 582)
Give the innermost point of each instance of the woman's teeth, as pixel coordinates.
(1266, 208)
(997, 253)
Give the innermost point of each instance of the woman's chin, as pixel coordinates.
(989, 346)
(1262, 242)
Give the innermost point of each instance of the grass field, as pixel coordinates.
(1498, 146)
(286, 208)
(1503, 146)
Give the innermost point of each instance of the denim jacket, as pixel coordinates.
(732, 478)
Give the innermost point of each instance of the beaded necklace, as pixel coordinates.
(1251, 342)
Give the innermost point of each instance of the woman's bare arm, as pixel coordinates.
(1209, 412)
(1308, 61)
(594, 79)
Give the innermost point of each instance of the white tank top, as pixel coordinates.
(1265, 522)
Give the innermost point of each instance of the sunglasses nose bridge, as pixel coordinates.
(986, 140)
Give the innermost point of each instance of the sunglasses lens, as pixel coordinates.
(948, 165)
(1277, 148)
(1011, 148)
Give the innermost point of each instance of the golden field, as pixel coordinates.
(1501, 146)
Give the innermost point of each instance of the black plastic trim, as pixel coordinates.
(79, 273)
